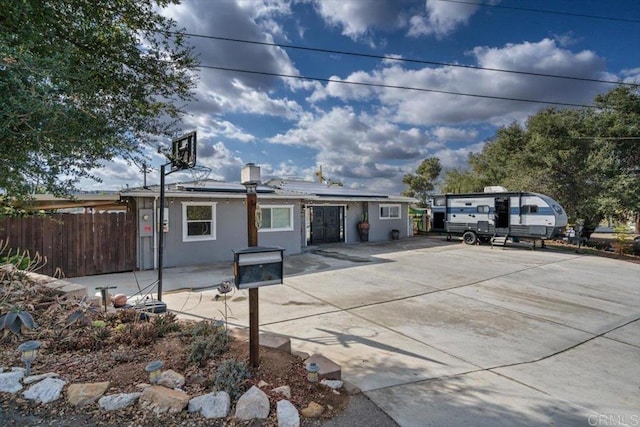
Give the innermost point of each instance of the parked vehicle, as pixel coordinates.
(497, 215)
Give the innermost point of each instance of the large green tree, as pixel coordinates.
(83, 81)
(587, 159)
(422, 183)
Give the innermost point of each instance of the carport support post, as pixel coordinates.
(252, 229)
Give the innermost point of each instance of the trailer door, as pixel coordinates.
(502, 212)
(483, 217)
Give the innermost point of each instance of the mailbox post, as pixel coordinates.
(250, 177)
(254, 267)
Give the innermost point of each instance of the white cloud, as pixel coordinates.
(631, 75)
(441, 18)
(358, 18)
(356, 147)
(433, 108)
(444, 133)
(224, 91)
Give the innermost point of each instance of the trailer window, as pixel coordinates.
(529, 209)
(483, 209)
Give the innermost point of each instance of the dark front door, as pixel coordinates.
(326, 225)
(502, 212)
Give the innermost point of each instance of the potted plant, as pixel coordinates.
(363, 229)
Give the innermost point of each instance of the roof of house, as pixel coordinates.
(275, 189)
(271, 189)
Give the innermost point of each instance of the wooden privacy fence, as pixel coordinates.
(76, 244)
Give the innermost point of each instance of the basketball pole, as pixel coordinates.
(177, 162)
(161, 231)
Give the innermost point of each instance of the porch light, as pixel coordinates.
(153, 369)
(29, 351)
(312, 372)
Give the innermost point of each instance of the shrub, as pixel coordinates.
(208, 347)
(232, 376)
(165, 323)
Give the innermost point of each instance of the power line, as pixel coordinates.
(551, 12)
(608, 138)
(391, 58)
(380, 85)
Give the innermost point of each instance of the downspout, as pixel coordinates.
(155, 233)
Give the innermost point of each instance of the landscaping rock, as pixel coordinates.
(287, 414)
(212, 405)
(285, 390)
(171, 379)
(334, 384)
(10, 382)
(253, 404)
(85, 393)
(35, 378)
(351, 389)
(314, 410)
(118, 401)
(161, 399)
(47, 390)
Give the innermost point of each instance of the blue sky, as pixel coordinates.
(370, 136)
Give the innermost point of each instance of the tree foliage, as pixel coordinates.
(586, 159)
(84, 81)
(422, 183)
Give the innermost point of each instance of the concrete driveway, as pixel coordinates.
(439, 333)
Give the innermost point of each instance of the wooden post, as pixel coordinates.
(254, 332)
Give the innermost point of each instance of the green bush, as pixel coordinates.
(208, 347)
(232, 376)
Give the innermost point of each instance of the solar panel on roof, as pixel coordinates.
(325, 190)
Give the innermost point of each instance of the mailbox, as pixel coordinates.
(258, 266)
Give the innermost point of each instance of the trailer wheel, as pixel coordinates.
(469, 237)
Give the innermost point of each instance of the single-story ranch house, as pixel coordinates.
(207, 220)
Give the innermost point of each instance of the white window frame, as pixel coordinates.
(271, 230)
(214, 222)
(382, 218)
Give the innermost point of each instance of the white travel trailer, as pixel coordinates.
(498, 214)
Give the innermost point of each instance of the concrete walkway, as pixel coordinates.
(440, 333)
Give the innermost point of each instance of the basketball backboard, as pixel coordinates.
(183, 153)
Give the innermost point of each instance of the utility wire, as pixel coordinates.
(551, 12)
(409, 60)
(380, 85)
(608, 138)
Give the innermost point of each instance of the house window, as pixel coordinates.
(529, 209)
(198, 221)
(277, 218)
(389, 211)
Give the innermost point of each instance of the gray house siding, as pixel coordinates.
(229, 223)
(379, 228)
(230, 233)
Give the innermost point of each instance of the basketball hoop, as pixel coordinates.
(199, 174)
(183, 152)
